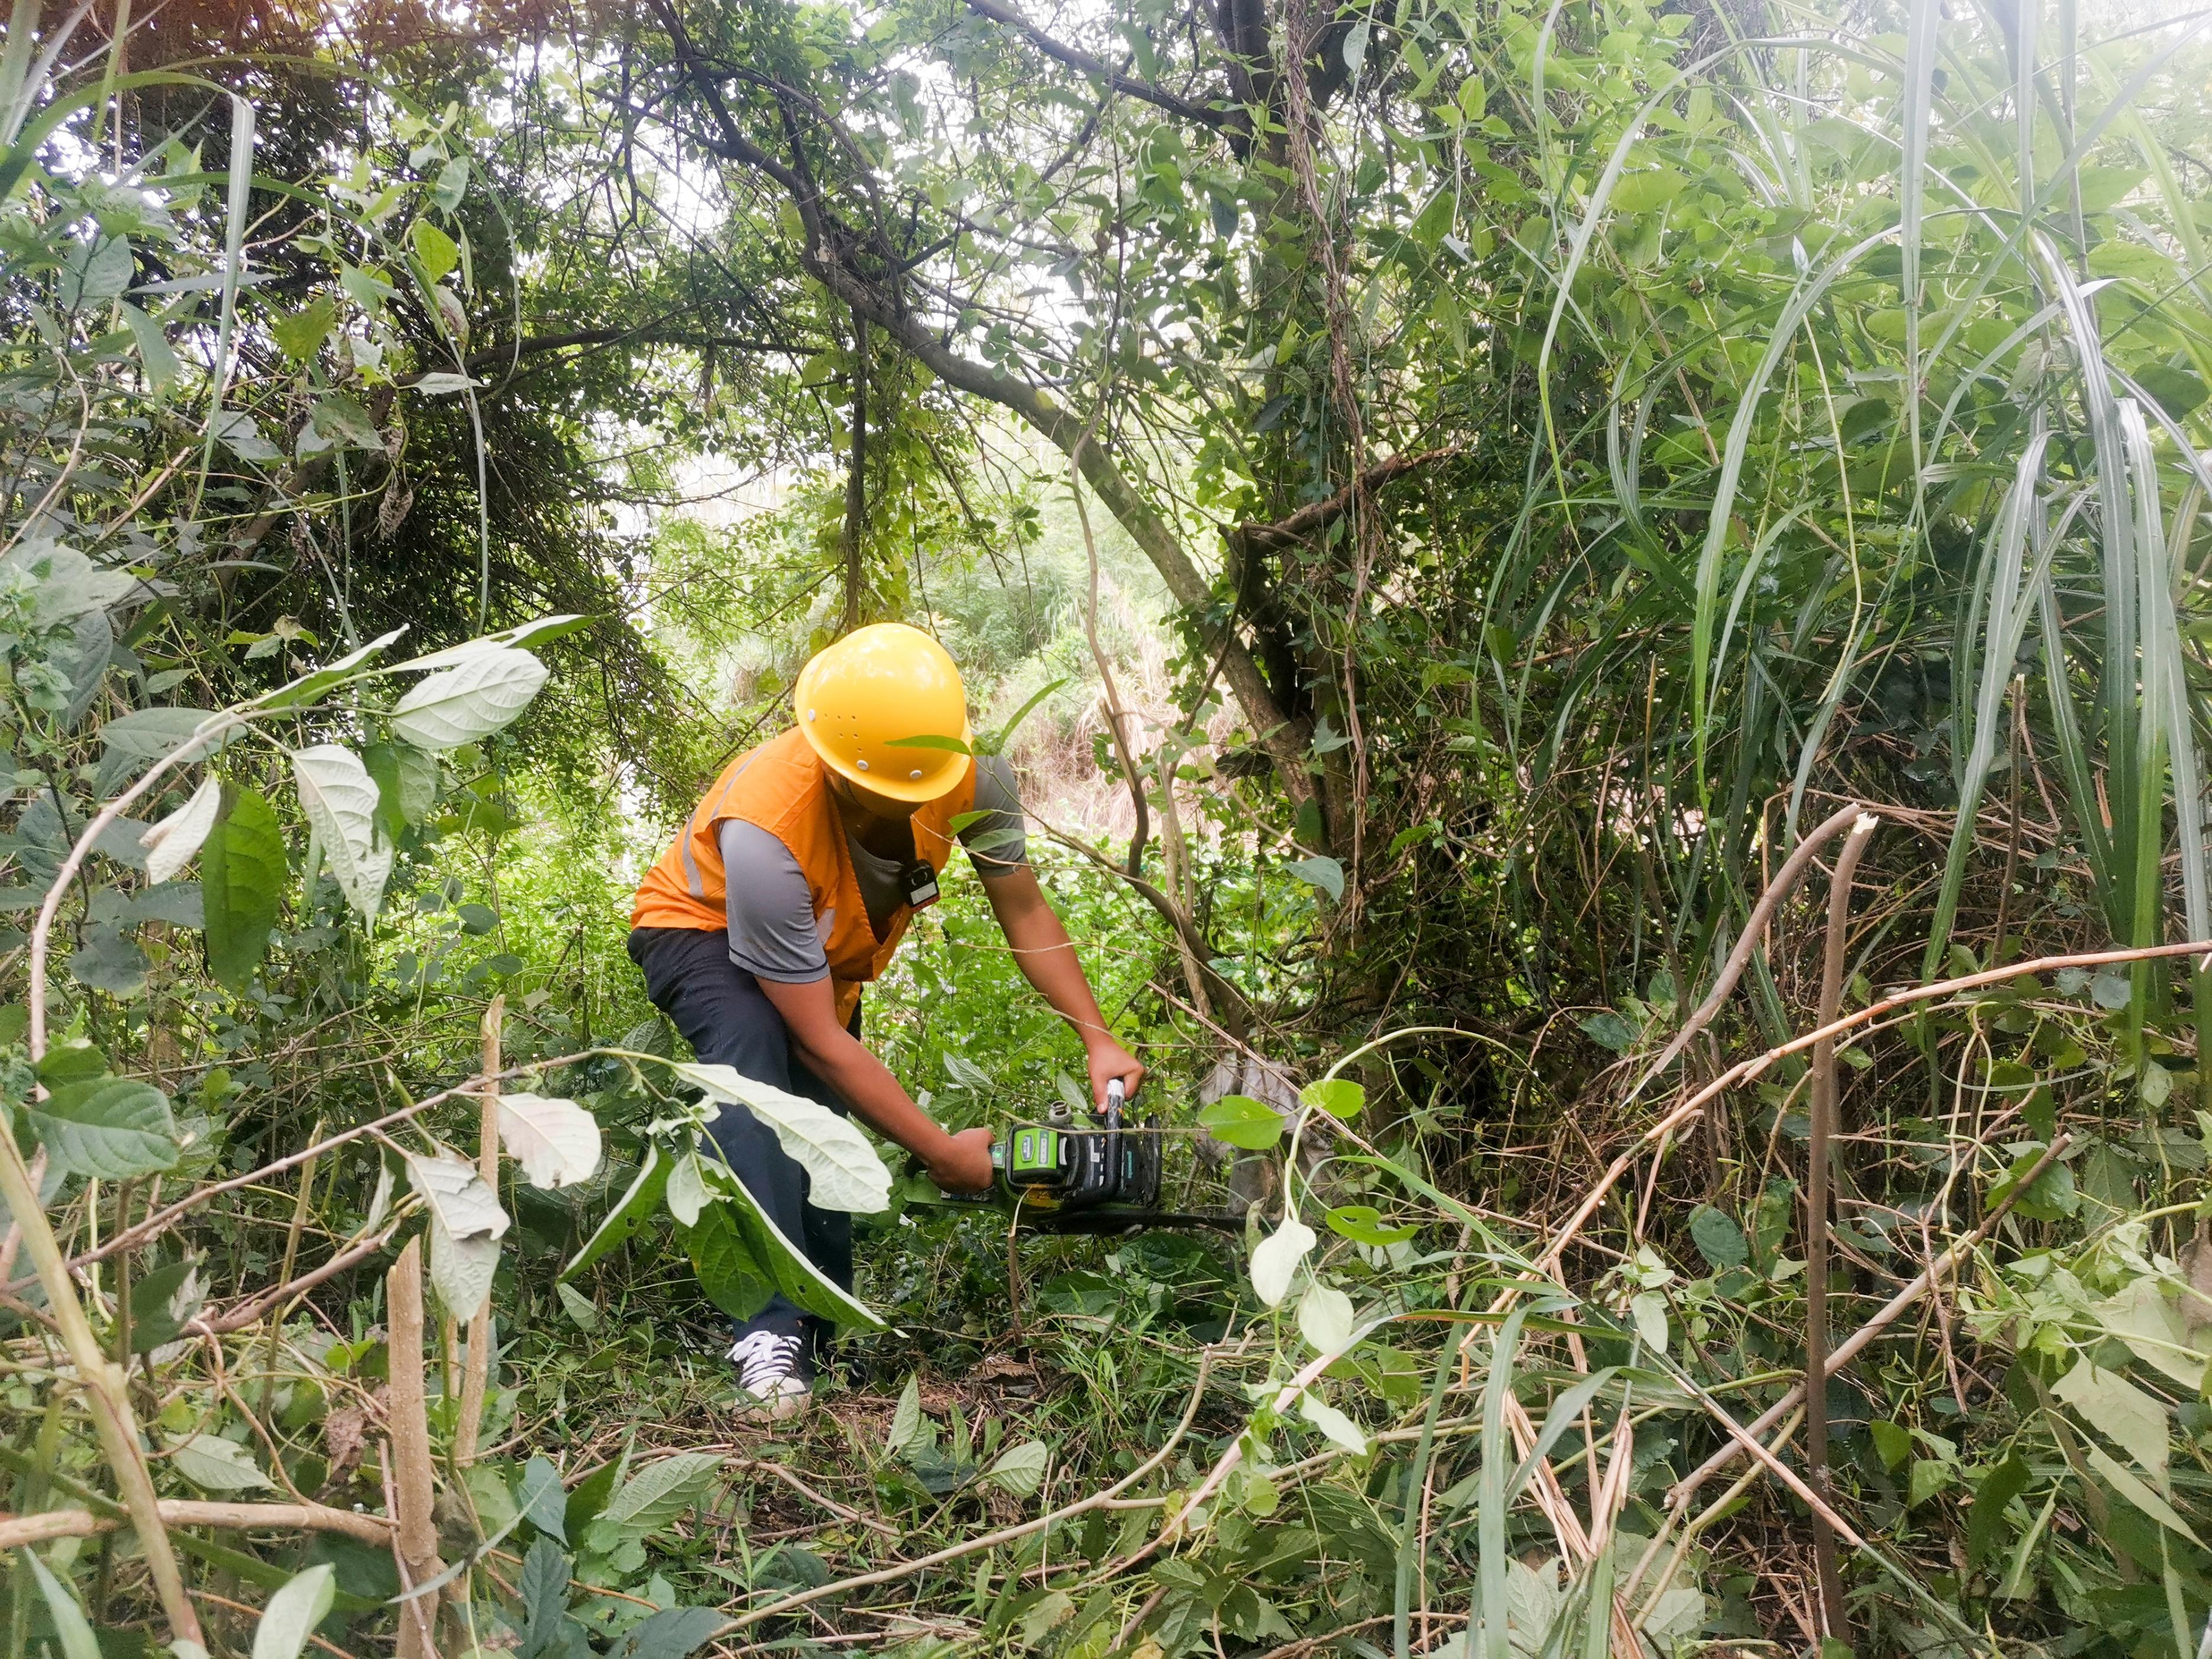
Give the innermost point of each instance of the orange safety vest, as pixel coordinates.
(784, 789)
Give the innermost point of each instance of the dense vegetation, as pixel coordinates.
(1618, 598)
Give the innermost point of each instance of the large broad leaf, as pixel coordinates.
(636, 1205)
(77, 1641)
(544, 1588)
(340, 800)
(163, 1303)
(742, 1259)
(1243, 1121)
(467, 1224)
(171, 843)
(407, 784)
(671, 1633)
(555, 1141)
(843, 1171)
(242, 879)
(733, 1277)
(114, 1128)
(109, 960)
(477, 696)
(1019, 1470)
(1275, 1260)
(656, 1495)
(216, 1465)
(149, 734)
(293, 1612)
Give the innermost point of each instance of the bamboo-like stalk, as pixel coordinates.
(416, 1541)
(1825, 1568)
(17, 1530)
(106, 1391)
(477, 1373)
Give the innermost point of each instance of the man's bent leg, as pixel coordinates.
(721, 1011)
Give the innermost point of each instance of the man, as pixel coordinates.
(790, 887)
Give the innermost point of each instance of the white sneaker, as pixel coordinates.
(773, 1381)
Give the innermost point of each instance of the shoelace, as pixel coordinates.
(764, 1359)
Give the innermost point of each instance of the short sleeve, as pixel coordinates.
(997, 841)
(772, 934)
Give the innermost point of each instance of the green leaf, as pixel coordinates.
(109, 961)
(452, 183)
(436, 251)
(302, 334)
(1339, 1096)
(1243, 1121)
(577, 1306)
(1929, 1476)
(541, 1500)
(1985, 1523)
(630, 1212)
(343, 421)
(1320, 872)
(76, 1637)
(544, 1590)
(658, 1493)
(116, 1128)
(340, 800)
(955, 745)
(162, 1304)
(214, 1464)
(908, 1428)
(479, 695)
(406, 785)
(71, 1061)
(1608, 1031)
(1363, 1224)
(742, 1247)
(2123, 1481)
(1019, 1470)
(92, 273)
(293, 1612)
(671, 1633)
(154, 349)
(844, 1172)
(243, 874)
(1717, 1237)
(996, 742)
(1892, 1442)
(2050, 1198)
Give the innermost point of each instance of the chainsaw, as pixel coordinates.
(1061, 1176)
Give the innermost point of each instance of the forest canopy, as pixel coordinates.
(1601, 610)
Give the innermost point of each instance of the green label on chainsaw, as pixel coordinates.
(1037, 1154)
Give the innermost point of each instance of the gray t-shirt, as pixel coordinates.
(774, 934)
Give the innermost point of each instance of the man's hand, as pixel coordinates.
(1110, 1059)
(963, 1164)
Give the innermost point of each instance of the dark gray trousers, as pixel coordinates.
(725, 1017)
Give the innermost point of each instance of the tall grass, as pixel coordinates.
(1957, 407)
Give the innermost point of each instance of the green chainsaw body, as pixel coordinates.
(1062, 1176)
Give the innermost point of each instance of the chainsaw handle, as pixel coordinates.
(1115, 1094)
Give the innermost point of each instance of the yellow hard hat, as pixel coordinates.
(878, 684)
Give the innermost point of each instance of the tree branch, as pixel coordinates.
(1220, 119)
(1317, 516)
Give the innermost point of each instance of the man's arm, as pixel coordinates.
(1046, 958)
(959, 1162)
